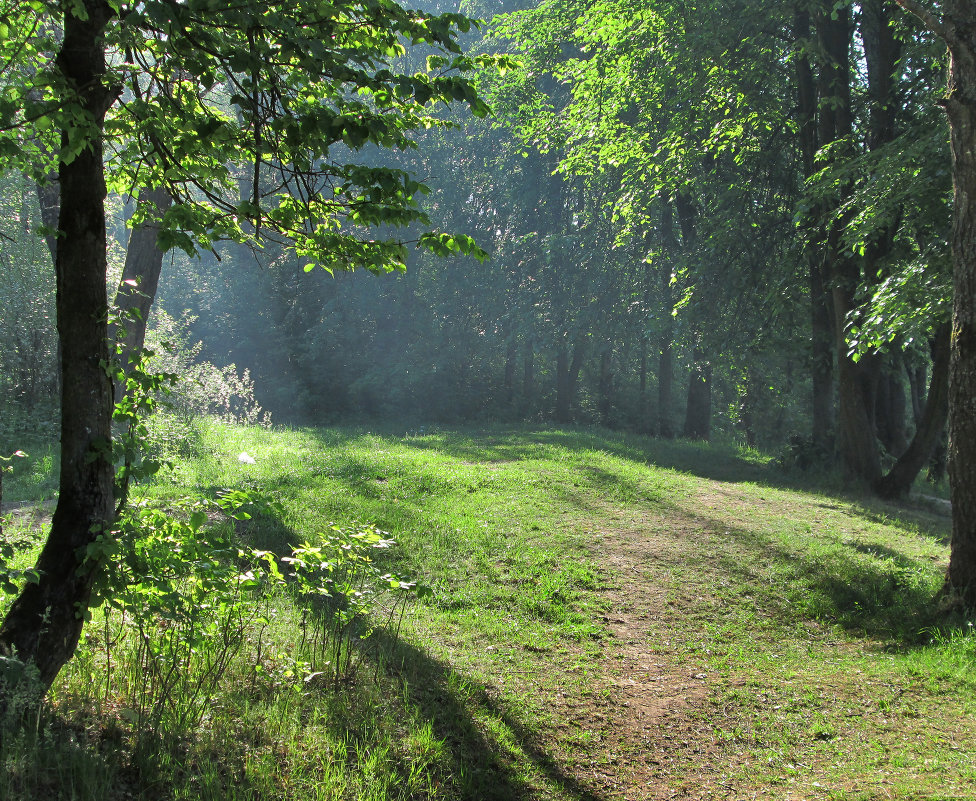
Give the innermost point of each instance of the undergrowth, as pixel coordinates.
(280, 654)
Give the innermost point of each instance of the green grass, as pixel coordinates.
(829, 671)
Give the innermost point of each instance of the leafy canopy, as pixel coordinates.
(259, 117)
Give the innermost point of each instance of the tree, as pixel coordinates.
(309, 83)
(672, 114)
(954, 21)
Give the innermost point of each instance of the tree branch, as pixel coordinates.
(928, 19)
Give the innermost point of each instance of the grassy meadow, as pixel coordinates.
(611, 617)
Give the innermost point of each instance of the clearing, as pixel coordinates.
(613, 618)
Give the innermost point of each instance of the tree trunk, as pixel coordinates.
(822, 361)
(821, 330)
(528, 372)
(567, 378)
(606, 384)
(511, 352)
(855, 434)
(562, 383)
(665, 387)
(957, 27)
(916, 384)
(747, 406)
(665, 370)
(698, 413)
(49, 200)
(857, 443)
(139, 281)
(890, 406)
(961, 108)
(900, 478)
(643, 411)
(44, 623)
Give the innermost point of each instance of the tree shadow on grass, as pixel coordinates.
(514, 444)
(490, 754)
(868, 589)
(55, 761)
(485, 765)
(714, 462)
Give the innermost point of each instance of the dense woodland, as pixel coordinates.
(730, 218)
(702, 220)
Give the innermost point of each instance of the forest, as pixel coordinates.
(501, 399)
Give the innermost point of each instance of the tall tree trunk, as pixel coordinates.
(44, 623)
(821, 330)
(956, 25)
(698, 412)
(856, 441)
(562, 383)
(916, 385)
(665, 370)
(139, 281)
(511, 353)
(822, 360)
(900, 478)
(606, 384)
(665, 387)
(890, 406)
(882, 52)
(643, 412)
(528, 371)
(961, 108)
(567, 378)
(747, 406)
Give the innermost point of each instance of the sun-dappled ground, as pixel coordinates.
(612, 618)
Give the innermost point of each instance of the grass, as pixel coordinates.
(794, 632)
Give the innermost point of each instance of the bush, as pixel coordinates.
(203, 388)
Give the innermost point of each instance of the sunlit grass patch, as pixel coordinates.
(810, 617)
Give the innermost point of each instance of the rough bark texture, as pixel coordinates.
(44, 623)
(139, 281)
(961, 108)
(957, 27)
(900, 478)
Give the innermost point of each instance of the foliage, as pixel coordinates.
(9, 577)
(255, 138)
(339, 573)
(201, 388)
(182, 599)
(27, 358)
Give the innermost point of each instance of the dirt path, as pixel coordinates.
(656, 722)
(651, 738)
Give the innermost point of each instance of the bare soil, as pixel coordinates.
(651, 743)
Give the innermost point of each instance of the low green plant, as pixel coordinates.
(340, 574)
(179, 596)
(204, 388)
(10, 577)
